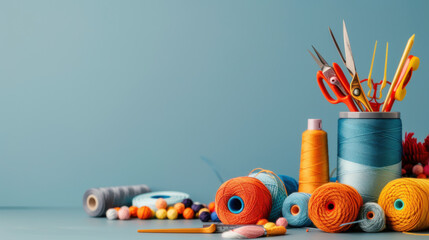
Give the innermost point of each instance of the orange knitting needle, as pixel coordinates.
(209, 229)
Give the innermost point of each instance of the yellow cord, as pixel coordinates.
(385, 72)
(370, 72)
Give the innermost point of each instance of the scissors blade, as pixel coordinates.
(350, 63)
(320, 56)
(338, 47)
(321, 65)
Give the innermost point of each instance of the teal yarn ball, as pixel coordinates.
(295, 209)
(277, 190)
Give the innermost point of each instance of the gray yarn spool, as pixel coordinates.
(97, 200)
(372, 218)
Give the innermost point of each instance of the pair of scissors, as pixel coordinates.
(334, 77)
(398, 93)
(355, 86)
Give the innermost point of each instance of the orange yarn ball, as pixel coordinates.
(422, 175)
(133, 211)
(144, 213)
(406, 204)
(211, 207)
(180, 207)
(161, 203)
(249, 197)
(262, 221)
(188, 213)
(333, 204)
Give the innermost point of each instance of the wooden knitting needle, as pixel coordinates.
(209, 229)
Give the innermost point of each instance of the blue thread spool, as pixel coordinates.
(295, 209)
(369, 151)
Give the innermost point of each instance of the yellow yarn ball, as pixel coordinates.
(172, 214)
(269, 225)
(161, 213)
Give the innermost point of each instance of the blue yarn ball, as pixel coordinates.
(333, 179)
(187, 202)
(205, 216)
(277, 190)
(290, 183)
(196, 207)
(214, 217)
(297, 217)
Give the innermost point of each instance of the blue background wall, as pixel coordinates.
(102, 93)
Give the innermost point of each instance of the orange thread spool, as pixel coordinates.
(314, 169)
(243, 200)
(332, 205)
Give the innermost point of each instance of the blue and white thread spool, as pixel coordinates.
(149, 199)
(369, 151)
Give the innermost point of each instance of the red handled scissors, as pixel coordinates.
(336, 80)
(340, 97)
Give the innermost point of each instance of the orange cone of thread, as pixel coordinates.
(314, 169)
(332, 205)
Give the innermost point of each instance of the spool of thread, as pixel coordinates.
(369, 151)
(314, 168)
(97, 200)
(373, 218)
(295, 210)
(290, 183)
(332, 205)
(150, 199)
(277, 190)
(242, 200)
(406, 204)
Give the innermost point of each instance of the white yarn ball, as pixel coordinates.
(112, 214)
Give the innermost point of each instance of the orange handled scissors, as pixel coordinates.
(340, 97)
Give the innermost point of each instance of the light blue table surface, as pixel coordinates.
(73, 223)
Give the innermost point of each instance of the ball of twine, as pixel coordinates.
(242, 200)
(406, 204)
(372, 218)
(333, 204)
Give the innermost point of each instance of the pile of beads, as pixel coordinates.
(186, 209)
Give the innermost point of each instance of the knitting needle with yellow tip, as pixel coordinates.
(398, 70)
(370, 72)
(383, 85)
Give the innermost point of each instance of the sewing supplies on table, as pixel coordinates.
(353, 94)
(96, 201)
(295, 209)
(406, 204)
(314, 166)
(377, 135)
